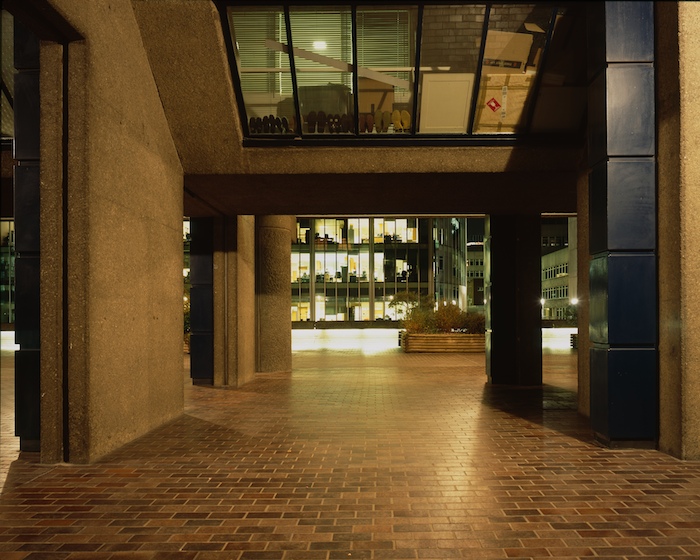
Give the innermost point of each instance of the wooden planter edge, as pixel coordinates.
(443, 342)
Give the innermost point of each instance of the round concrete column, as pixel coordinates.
(274, 294)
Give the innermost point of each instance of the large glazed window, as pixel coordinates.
(515, 41)
(386, 53)
(323, 60)
(395, 71)
(264, 70)
(450, 50)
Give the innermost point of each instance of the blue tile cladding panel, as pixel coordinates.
(623, 299)
(623, 393)
(623, 205)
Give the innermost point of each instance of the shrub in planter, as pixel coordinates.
(420, 320)
(445, 319)
(186, 317)
(448, 318)
(473, 323)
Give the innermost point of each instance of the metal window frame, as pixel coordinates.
(413, 138)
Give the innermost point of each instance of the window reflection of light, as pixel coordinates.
(320, 45)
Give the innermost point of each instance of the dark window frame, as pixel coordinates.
(414, 138)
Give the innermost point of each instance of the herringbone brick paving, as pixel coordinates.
(383, 455)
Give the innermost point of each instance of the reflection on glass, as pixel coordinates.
(386, 53)
(514, 45)
(322, 40)
(562, 97)
(263, 68)
(449, 56)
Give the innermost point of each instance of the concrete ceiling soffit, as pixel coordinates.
(372, 193)
(387, 160)
(185, 47)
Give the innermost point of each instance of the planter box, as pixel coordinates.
(448, 342)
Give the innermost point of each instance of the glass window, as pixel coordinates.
(450, 46)
(318, 84)
(379, 230)
(514, 44)
(379, 267)
(7, 119)
(358, 230)
(303, 229)
(259, 36)
(322, 40)
(386, 53)
(7, 271)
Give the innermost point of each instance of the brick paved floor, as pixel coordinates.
(362, 455)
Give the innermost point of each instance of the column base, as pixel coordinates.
(623, 444)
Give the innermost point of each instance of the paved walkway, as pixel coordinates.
(374, 454)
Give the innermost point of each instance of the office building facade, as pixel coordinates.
(351, 269)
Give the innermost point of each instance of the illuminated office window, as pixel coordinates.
(373, 71)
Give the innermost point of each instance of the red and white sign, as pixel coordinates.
(493, 104)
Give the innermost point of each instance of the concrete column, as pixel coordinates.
(512, 269)
(234, 301)
(202, 300)
(678, 72)
(622, 213)
(27, 239)
(273, 293)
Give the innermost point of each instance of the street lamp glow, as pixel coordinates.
(574, 301)
(542, 301)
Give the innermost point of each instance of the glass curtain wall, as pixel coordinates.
(406, 70)
(350, 269)
(7, 272)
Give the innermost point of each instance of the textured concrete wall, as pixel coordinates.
(273, 296)
(124, 245)
(245, 281)
(678, 114)
(52, 243)
(234, 300)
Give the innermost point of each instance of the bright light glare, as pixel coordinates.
(364, 341)
(574, 301)
(320, 45)
(542, 301)
(558, 338)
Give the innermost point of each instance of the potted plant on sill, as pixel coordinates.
(443, 329)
